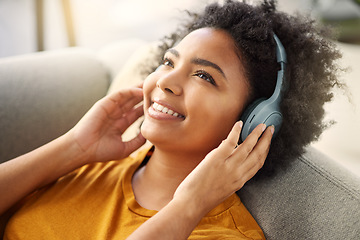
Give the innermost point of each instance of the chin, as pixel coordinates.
(153, 135)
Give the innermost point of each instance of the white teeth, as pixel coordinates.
(163, 109)
(159, 107)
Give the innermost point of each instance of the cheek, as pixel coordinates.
(218, 113)
(148, 87)
(227, 116)
(227, 107)
(227, 113)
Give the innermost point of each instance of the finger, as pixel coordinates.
(134, 144)
(130, 118)
(126, 108)
(116, 110)
(256, 158)
(228, 145)
(124, 95)
(262, 148)
(264, 141)
(247, 146)
(117, 103)
(140, 85)
(134, 114)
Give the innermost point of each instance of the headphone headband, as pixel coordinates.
(280, 51)
(263, 110)
(281, 58)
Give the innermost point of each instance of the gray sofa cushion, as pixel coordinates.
(314, 199)
(43, 95)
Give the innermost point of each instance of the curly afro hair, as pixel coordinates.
(311, 73)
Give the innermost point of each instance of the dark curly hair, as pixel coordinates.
(311, 73)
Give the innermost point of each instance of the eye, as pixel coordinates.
(206, 76)
(167, 62)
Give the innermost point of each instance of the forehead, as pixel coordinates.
(205, 40)
(211, 35)
(215, 45)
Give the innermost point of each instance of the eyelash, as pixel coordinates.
(201, 73)
(167, 61)
(206, 76)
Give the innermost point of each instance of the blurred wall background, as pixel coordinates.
(95, 22)
(98, 22)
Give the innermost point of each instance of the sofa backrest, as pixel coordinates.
(315, 198)
(43, 95)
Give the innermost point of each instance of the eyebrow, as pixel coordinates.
(199, 61)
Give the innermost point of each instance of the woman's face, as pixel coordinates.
(194, 98)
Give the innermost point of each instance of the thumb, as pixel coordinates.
(134, 144)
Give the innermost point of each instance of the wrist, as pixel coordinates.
(190, 209)
(73, 151)
(69, 153)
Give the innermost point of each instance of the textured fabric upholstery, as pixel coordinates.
(43, 95)
(315, 198)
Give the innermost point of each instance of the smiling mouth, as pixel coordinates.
(163, 109)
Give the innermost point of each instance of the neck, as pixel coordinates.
(155, 184)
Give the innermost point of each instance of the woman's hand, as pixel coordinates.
(225, 169)
(97, 137)
(98, 133)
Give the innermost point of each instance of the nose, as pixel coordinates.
(169, 83)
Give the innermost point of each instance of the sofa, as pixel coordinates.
(44, 94)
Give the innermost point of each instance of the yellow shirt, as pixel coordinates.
(97, 202)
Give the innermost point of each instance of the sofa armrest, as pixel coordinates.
(44, 94)
(315, 198)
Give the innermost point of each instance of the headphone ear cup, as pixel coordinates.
(246, 115)
(260, 111)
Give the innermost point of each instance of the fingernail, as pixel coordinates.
(263, 127)
(240, 123)
(272, 129)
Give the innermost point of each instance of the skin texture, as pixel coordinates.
(178, 83)
(210, 109)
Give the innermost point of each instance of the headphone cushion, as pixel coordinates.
(250, 109)
(261, 111)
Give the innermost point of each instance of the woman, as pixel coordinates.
(183, 187)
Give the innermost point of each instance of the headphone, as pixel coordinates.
(264, 110)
